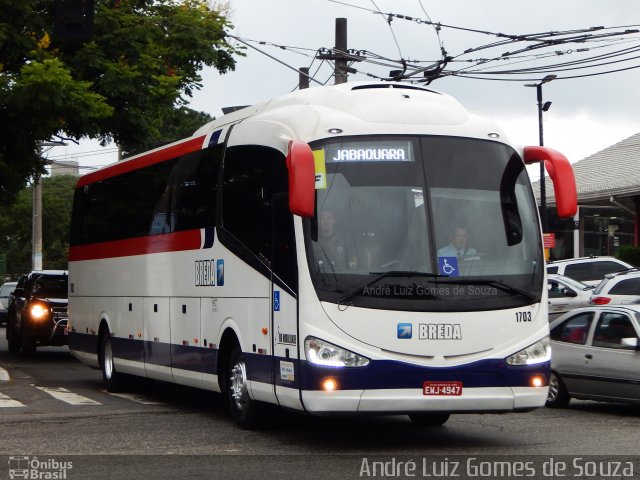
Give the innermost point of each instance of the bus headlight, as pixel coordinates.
(539, 352)
(327, 354)
(38, 311)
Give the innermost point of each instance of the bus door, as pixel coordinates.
(284, 306)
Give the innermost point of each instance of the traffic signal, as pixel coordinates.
(74, 19)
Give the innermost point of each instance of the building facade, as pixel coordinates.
(608, 185)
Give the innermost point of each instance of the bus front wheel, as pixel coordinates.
(246, 412)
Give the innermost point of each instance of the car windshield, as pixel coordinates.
(54, 286)
(430, 207)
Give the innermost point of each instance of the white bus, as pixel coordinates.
(297, 253)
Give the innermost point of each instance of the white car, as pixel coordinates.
(566, 294)
(589, 270)
(620, 288)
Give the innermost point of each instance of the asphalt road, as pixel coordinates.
(56, 410)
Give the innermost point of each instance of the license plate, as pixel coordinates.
(442, 388)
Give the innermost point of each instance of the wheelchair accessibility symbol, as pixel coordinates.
(448, 266)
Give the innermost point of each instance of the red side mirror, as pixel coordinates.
(302, 179)
(561, 173)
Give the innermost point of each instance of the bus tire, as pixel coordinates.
(558, 397)
(113, 380)
(247, 413)
(429, 419)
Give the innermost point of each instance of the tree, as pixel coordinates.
(137, 70)
(180, 123)
(16, 222)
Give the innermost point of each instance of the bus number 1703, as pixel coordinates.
(523, 317)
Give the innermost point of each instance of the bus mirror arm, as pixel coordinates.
(561, 173)
(302, 175)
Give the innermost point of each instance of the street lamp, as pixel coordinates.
(542, 108)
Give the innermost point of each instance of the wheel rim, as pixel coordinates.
(554, 388)
(238, 386)
(108, 360)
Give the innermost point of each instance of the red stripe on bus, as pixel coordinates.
(168, 242)
(142, 161)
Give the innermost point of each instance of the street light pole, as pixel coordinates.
(542, 108)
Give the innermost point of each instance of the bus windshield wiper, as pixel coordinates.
(491, 282)
(381, 275)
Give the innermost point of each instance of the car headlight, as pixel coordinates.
(539, 352)
(38, 311)
(320, 352)
(2, 308)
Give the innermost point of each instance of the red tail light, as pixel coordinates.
(600, 300)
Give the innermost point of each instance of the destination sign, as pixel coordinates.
(375, 151)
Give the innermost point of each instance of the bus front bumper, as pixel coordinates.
(402, 401)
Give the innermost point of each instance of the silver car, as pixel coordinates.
(565, 294)
(596, 355)
(5, 291)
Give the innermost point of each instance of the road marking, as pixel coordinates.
(4, 375)
(134, 398)
(64, 395)
(6, 401)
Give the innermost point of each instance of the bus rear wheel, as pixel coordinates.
(247, 413)
(114, 381)
(429, 419)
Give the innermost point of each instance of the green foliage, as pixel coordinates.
(630, 255)
(126, 84)
(16, 224)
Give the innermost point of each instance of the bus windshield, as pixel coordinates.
(423, 223)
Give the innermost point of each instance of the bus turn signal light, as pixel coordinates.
(538, 381)
(329, 384)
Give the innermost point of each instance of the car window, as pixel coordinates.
(574, 329)
(611, 329)
(557, 290)
(581, 271)
(6, 289)
(552, 269)
(629, 286)
(50, 286)
(602, 268)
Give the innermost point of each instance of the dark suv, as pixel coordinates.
(37, 311)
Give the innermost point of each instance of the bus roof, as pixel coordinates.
(355, 108)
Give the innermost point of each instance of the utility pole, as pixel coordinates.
(36, 226)
(341, 50)
(339, 54)
(303, 78)
(36, 231)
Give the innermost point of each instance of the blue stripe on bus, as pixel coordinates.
(390, 374)
(379, 374)
(209, 237)
(215, 137)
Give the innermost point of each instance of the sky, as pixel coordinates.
(586, 115)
